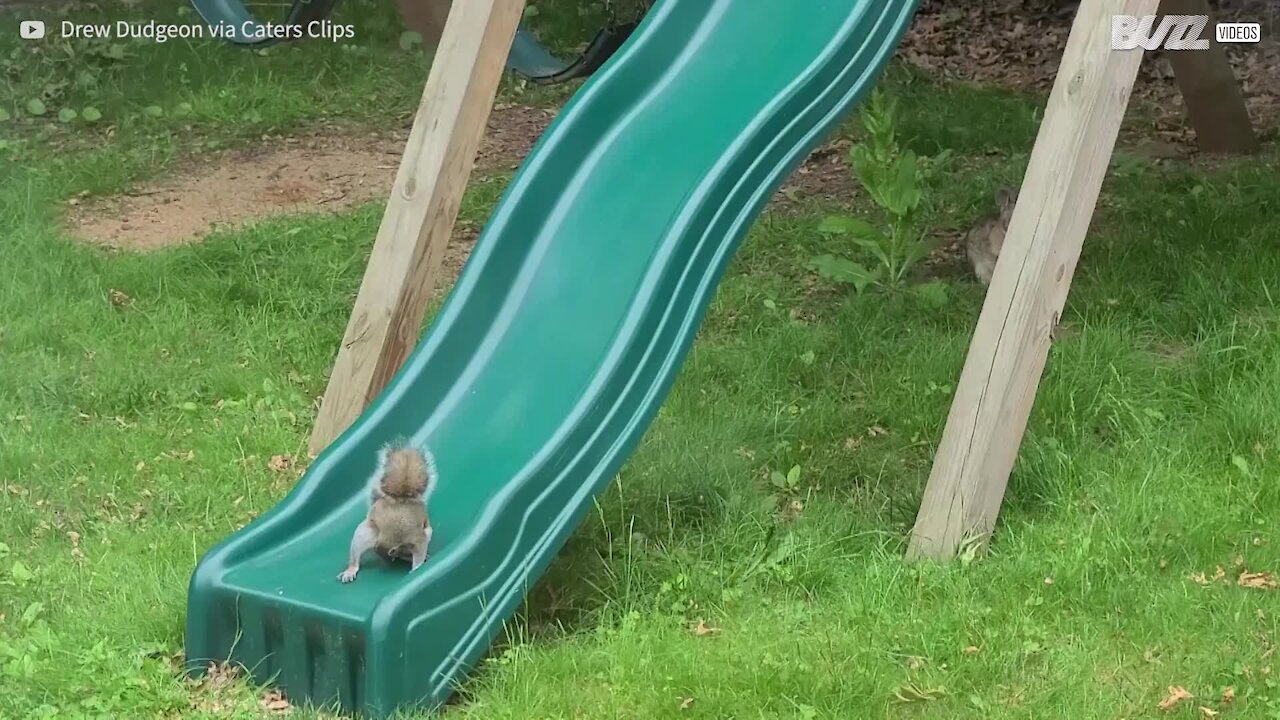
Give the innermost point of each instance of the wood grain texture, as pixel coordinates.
(997, 387)
(404, 266)
(1215, 104)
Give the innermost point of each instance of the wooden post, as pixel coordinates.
(427, 18)
(387, 318)
(1215, 105)
(997, 386)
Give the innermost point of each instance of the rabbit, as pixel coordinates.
(985, 240)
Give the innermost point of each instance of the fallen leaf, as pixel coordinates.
(876, 431)
(118, 298)
(915, 662)
(1258, 580)
(1228, 695)
(686, 703)
(275, 701)
(1239, 561)
(1208, 712)
(971, 650)
(1201, 579)
(852, 443)
(280, 463)
(702, 629)
(1176, 695)
(74, 537)
(219, 675)
(911, 693)
(1048, 581)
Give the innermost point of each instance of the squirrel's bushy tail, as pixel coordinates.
(405, 471)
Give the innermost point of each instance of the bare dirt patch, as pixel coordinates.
(298, 175)
(317, 173)
(824, 176)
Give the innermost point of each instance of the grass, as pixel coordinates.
(135, 434)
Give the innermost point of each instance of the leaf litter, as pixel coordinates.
(1177, 694)
(913, 693)
(1019, 44)
(1257, 580)
(275, 701)
(702, 629)
(1246, 579)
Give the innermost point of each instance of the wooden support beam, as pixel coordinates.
(1215, 105)
(1007, 355)
(387, 318)
(427, 18)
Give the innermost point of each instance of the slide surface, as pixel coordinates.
(551, 355)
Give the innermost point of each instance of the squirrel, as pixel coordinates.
(397, 525)
(985, 240)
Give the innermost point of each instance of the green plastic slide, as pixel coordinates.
(550, 357)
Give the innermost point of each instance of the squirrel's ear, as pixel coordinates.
(1006, 196)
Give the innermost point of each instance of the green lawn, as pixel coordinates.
(134, 435)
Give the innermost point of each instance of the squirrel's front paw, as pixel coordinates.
(348, 575)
